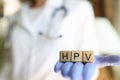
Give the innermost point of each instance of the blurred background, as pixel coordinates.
(107, 13)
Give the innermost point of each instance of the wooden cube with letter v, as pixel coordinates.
(87, 56)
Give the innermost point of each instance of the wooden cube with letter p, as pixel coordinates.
(88, 56)
(65, 56)
(76, 56)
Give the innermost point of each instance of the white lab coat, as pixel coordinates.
(34, 55)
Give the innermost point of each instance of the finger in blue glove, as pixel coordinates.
(58, 66)
(89, 70)
(66, 69)
(76, 71)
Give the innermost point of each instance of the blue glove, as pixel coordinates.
(76, 71)
(79, 71)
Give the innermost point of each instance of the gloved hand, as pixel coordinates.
(79, 71)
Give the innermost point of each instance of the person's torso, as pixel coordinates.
(45, 37)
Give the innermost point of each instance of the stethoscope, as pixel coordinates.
(62, 8)
(55, 12)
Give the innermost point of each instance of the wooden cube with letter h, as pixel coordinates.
(65, 56)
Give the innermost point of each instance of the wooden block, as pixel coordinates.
(76, 56)
(65, 56)
(88, 56)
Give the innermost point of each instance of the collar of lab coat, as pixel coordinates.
(54, 3)
(58, 3)
(25, 19)
(48, 8)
